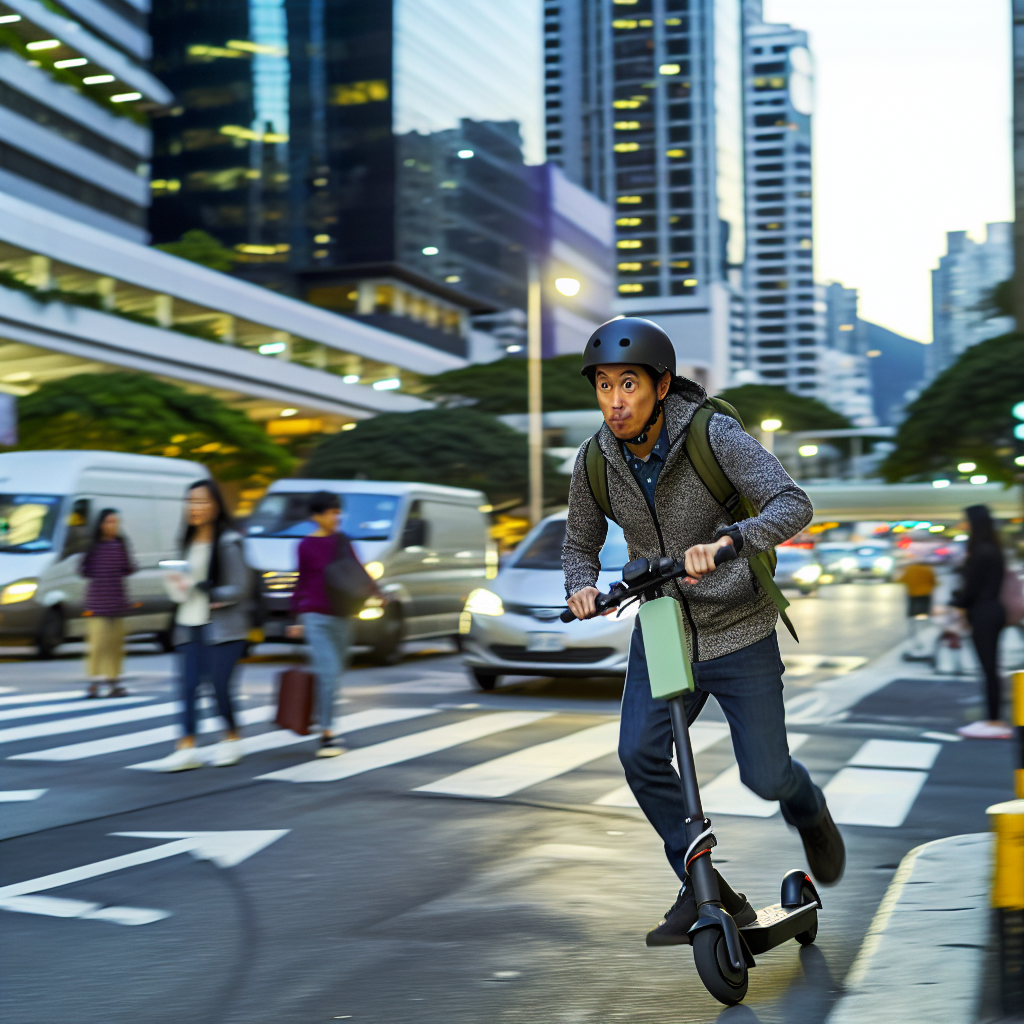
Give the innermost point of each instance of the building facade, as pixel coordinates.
(74, 95)
(373, 159)
(643, 107)
(961, 289)
(786, 313)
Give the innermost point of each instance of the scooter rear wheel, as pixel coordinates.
(807, 895)
(711, 959)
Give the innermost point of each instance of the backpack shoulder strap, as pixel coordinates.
(597, 476)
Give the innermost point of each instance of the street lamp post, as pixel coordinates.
(768, 428)
(535, 433)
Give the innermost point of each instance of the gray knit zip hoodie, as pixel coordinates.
(726, 610)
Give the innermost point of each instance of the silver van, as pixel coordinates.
(427, 545)
(49, 502)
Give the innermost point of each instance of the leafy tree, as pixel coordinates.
(133, 412)
(757, 402)
(200, 247)
(964, 415)
(459, 447)
(500, 387)
(998, 301)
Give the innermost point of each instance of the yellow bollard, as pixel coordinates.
(1018, 721)
(1008, 899)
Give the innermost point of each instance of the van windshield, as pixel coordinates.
(363, 516)
(28, 522)
(545, 550)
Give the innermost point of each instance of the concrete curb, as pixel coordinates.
(923, 957)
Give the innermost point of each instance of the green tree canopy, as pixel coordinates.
(200, 247)
(757, 402)
(964, 415)
(500, 387)
(133, 412)
(458, 447)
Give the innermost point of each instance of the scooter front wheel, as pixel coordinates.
(711, 959)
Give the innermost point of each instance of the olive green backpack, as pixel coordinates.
(701, 456)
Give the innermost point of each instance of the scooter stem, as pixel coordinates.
(701, 870)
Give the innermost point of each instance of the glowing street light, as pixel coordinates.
(768, 428)
(807, 450)
(567, 286)
(966, 467)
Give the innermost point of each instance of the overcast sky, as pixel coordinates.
(912, 138)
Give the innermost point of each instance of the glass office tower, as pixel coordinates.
(371, 158)
(644, 107)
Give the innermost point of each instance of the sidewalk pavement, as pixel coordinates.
(923, 958)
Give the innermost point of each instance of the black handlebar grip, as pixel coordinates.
(568, 615)
(726, 553)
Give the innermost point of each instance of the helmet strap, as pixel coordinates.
(641, 438)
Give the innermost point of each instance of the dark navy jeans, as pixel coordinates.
(748, 686)
(212, 663)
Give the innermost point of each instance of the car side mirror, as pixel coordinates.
(415, 534)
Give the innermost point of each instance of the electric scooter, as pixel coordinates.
(722, 952)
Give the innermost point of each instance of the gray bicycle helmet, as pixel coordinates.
(630, 339)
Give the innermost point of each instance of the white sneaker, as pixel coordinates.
(181, 760)
(986, 731)
(228, 752)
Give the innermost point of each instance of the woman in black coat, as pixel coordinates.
(978, 595)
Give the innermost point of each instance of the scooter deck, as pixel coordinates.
(776, 924)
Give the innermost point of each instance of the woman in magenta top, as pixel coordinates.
(105, 565)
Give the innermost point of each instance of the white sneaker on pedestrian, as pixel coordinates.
(181, 760)
(986, 731)
(228, 752)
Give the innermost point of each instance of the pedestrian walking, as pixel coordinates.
(978, 596)
(105, 565)
(211, 623)
(327, 634)
(919, 580)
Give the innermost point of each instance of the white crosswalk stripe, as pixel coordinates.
(39, 698)
(406, 748)
(38, 711)
(725, 794)
(873, 796)
(506, 775)
(81, 723)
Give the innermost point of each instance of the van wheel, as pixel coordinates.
(484, 679)
(51, 633)
(166, 641)
(388, 648)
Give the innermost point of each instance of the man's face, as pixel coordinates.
(626, 395)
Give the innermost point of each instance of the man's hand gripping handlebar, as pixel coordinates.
(642, 576)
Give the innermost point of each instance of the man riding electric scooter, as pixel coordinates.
(637, 469)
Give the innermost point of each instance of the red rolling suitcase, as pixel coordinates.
(295, 693)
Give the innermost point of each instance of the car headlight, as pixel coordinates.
(884, 563)
(374, 570)
(848, 563)
(373, 608)
(484, 602)
(807, 574)
(20, 590)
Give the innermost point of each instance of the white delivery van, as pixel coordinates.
(427, 545)
(49, 502)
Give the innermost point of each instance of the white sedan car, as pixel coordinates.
(511, 627)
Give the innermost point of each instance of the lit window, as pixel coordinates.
(387, 385)
(626, 104)
(355, 93)
(126, 97)
(626, 147)
(321, 239)
(630, 200)
(629, 243)
(873, 353)
(675, 154)
(71, 62)
(669, 69)
(350, 378)
(453, 279)
(43, 44)
(430, 250)
(465, 154)
(673, 21)
(273, 348)
(690, 282)
(846, 327)
(626, 126)
(98, 79)
(630, 267)
(624, 23)
(629, 222)
(627, 288)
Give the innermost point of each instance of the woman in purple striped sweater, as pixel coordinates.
(106, 564)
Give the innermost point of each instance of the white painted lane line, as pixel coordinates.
(35, 698)
(131, 740)
(38, 711)
(873, 796)
(9, 796)
(896, 754)
(406, 748)
(725, 794)
(54, 906)
(286, 738)
(81, 723)
(702, 736)
(511, 773)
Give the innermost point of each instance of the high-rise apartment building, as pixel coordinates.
(74, 99)
(643, 107)
(374, 159)
(961, 286)
(844, 376)
(786, 314)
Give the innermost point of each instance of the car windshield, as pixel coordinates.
(27, 522)
(786, 554)
(286, 514)
(544, 551)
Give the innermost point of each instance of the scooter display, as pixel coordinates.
(723, 952)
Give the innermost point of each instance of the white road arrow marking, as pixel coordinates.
(225, 849)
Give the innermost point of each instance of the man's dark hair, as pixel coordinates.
(324, 501)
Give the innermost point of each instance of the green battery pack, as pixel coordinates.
(668, 660)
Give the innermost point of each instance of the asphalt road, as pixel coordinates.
(515, 890)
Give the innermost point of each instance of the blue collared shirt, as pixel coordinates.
(647, 473)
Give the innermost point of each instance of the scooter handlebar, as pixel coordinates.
(568, 615)
(726, 553)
